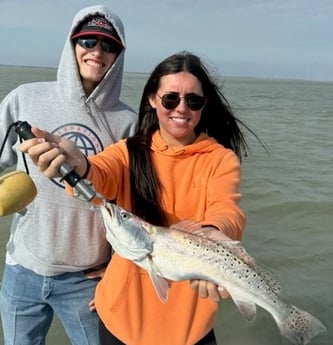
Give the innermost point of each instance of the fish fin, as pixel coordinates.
(300, 326)
(238, 250)
(247, 309)
(160, 284)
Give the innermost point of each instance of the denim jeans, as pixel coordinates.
(29, 301)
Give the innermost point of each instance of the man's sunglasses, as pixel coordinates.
(172, 99)
(108, 46)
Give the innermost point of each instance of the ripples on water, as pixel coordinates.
(287, 194)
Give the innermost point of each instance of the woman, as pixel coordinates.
(182, 164)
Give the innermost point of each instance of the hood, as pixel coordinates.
(107, 92)
(202, 144)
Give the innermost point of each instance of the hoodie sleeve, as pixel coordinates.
(109, 172)
(8, 109)
(223, 210)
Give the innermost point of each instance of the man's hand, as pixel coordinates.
(95, 273)
(48, 152)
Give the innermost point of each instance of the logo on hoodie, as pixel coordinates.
(84, 137)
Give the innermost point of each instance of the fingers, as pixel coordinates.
(50, 162)
(95, 273)
(27, 144)
(91, 305)
(209, 289)
(224, 294)
(47, 156)
(40, 137)
(46, 135)
(187, 225)
(49, 151)
(214, 234)
(194, 284)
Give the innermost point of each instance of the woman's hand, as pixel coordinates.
(210, 290)
(48, 152)
(205, 288)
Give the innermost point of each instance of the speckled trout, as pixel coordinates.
(170, 254)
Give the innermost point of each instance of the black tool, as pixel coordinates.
(23, 129)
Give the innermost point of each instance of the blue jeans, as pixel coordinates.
(29, 301)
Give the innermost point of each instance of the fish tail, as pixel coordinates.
(300, 327)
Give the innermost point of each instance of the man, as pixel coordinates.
(57, 249)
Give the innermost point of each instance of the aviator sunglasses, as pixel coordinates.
(172, 99)
(108, 46)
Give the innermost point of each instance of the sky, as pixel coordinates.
(253, 38)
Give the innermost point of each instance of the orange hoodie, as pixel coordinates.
(200, 182)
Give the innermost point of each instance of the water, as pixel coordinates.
(287, 195)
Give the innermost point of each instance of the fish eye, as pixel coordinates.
(124, 215)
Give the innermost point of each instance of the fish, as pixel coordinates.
(169, 254)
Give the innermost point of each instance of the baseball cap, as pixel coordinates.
(97, 25)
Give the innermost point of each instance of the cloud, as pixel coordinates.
(239, 36)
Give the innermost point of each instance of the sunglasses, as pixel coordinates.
(108, 46)
(172, 99)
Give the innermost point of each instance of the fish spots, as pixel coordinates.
(298, 321)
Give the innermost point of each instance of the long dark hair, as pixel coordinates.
(217, 120)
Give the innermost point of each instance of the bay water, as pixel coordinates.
(287, 194)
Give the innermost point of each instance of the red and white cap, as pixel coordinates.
(97, 25)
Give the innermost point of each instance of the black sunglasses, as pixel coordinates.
(108, 46)
(172, 99)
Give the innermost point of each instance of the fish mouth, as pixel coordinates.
(111, 210)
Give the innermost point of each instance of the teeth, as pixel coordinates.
(179, 119)
(94, 63)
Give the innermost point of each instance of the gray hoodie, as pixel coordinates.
(57, 233)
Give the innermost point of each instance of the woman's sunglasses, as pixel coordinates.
(108, 46)
(172, 99)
